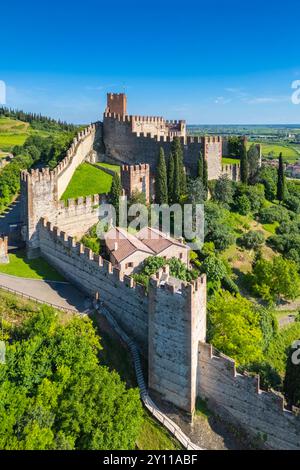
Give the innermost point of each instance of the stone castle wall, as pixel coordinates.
(171, 317)
(128, 147)
(41, 190)
(177, 323)
(232, 171)
(4, 250)
(239, 400)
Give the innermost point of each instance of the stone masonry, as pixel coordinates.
(168, 322)
(4, 250)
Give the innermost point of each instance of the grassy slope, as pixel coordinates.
(36, 268)
(14, 132)
(88, 180)
(289, 152)
(109, 166)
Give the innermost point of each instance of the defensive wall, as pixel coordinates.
(125, 146)
(239, 400)
(41, 191)
(167, 324)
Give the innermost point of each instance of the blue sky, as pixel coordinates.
(206, 61)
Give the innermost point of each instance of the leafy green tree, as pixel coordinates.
(224, 190)
(115, 193)
(244, 163)
(252, 240)
(277, 279)
(280, 180)
(215, 270)
(55, 395)
(161, 183)
(267, 175)
(243, 204)
(234, 327)
(292, 377)
(253, 160)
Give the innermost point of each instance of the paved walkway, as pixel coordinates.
(60, 294)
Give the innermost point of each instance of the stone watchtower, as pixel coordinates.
(136, 178)
(116, 103)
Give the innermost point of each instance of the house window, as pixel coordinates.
(141, 180)
(128, 265)
(180, 255)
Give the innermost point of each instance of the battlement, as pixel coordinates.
(228, 367)
(116, 103)
(136, 168)
(163, 280)
(88, 201)
(45, 174)
(79, 249)
(238, 398)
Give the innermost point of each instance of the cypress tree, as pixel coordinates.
(200, 166)
(244, 162)
(177, 179)
(176, 149)
(205, 175)
(171, 171)
(115, 192)
(280, 180)
(161, 185)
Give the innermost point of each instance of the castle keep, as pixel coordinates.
(169, 321)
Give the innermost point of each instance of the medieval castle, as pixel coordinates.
(168, 322)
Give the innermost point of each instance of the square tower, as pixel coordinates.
(116, 103)
(136, 178)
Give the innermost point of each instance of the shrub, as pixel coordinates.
(252, 240)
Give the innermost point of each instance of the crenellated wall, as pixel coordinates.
(41, 190)
(124, 145)
(167, 323)
(233, 171)
(239, 400)
(177, 322)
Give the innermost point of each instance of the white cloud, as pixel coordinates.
(268, 99)
(222, 100)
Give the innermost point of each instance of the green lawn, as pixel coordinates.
(9, 140)
(88, 180)
(109, 166)
(230, 161)
(288, 152)
(36, 268)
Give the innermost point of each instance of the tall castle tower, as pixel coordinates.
(116, 103)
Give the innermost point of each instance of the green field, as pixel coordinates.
(290, 153)
(88, 180)
(109, 166)
(14, 132)
(230, 161)
(36, 268)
